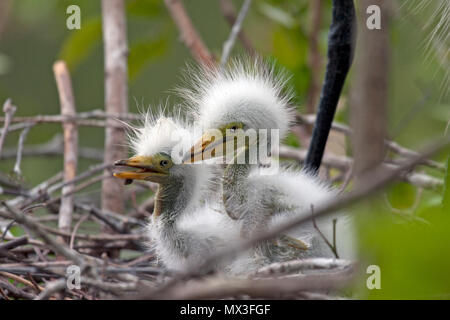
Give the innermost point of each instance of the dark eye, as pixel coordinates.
(164, 163)
(233, 128)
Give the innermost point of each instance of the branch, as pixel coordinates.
(9, 111)
(343, 163)
(392, 145)
(229, 44)
(67, 103)
(283, 268)
(22, 138)
(189, 35)
(116, 94)
(228, 11)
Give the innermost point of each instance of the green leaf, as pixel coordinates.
(80, 43)
(287, 49)
(402, 195)
(143, 52)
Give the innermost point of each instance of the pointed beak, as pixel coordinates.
(145, 169)
(207, 147)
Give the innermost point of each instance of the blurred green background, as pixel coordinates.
(414, 256)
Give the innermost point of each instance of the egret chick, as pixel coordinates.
(253, 97)
(185, 227)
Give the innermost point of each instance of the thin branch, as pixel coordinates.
(229, 12)
(37, 228)
(9, 111)
(283, 268)
(189, 35)
(332, 247)
(392, 145)
(67, 103)
(22, 138)
(229, 44)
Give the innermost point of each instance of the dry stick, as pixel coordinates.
(51, 288)
(189, 35)
(9, 111)
(75, 229)
(229, 44)
(345, 163)
(54, 147)
(21, 280)
(116, 95)
(22, 138)
(221, 287)
(374, 181)
(16, 292)
(67, 102)
(78, 118)
(21, 241)
(331, 246)
(39, 230)
(228, 11)
(289, 267)
(392, 145)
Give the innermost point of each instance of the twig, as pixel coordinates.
(16, 292)
(219, 287)
(37, 228)
(345, 163)
(67, 103)
(51, 288)
(228, 11)
(229, 44)
(283, 268)
(21, 280)
(331, 246)
(75, 229)
(9, 111)
(189, 35)
(53, 147)
(22, 138)
(392, 145)
(21, 241)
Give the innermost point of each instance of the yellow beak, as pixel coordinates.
(146, 170)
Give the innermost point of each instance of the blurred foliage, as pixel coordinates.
(404, 230)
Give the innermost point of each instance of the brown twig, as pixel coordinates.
(229, 12)
(235, 30)
(9, 111)
(332, 247)
(67, 103)
(189, 35)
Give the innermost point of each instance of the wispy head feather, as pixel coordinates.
(159, 133)
(245, 91)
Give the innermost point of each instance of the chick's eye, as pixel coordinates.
(233, 128)
(164, 163)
